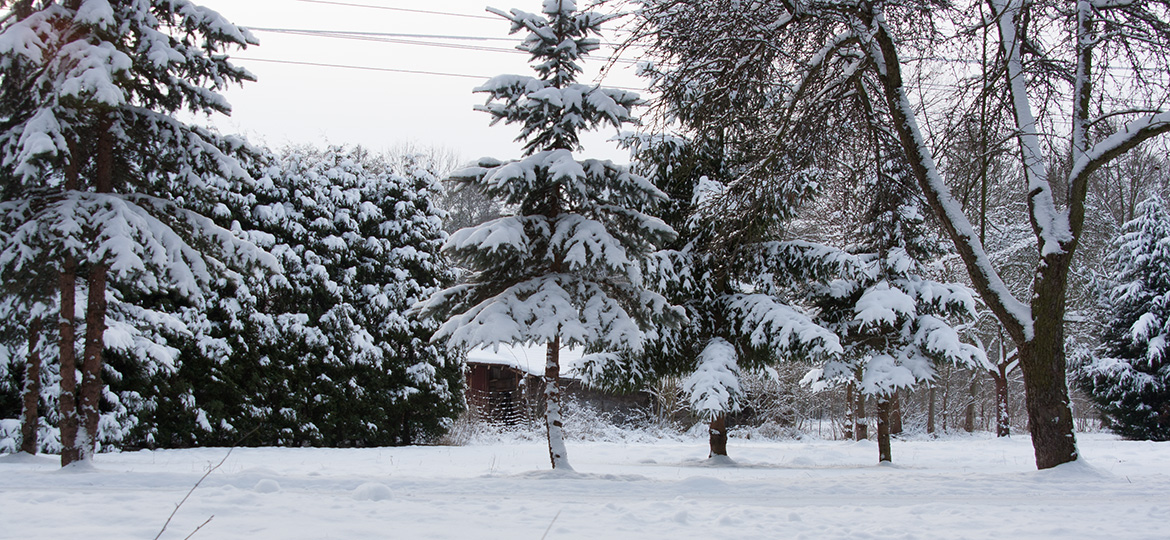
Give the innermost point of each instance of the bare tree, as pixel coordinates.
(1047, 59)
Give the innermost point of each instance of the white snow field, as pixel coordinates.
(965, 487)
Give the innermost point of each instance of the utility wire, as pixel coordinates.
(391, 70)
(364, 68)
(315, 32)
(386, 37)
(338, 33)
(407, 10)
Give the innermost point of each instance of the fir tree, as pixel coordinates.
(1129, 376)
(734, 286)
(893, 321)
(564, 267)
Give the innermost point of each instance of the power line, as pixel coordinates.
(389, 70)
(388, 37)
(339, 33)
(364, 68)
(407, 10)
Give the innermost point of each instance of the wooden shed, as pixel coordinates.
(500, 393)
(505, 387)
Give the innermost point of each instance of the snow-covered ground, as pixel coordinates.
(967, 487)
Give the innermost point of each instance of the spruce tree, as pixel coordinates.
(563, 268)
(736, 286)
(894, 323)
(1129, 374)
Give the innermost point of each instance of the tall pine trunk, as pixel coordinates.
(67, 335)
(31, 392)
(552, 409)
(95, 313)
(718, 435)
(883, 429)
(69, 422)
(91, 367)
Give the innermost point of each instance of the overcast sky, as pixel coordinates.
(381, 109)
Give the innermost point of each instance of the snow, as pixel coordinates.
(713, 388)
(964, 487)
(529, 359)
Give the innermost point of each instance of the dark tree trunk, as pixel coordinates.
(1003, 419)
(91, 367)
(67, 336)
(552, 407)
(883, 429)
(69, 422)
(969, 412)
(930, 410)
(31, 392)
(895, 414)
(849, 418)
(1043, 364)
(1046, 397)
(95, 313)
(861, 427)
(718, 436)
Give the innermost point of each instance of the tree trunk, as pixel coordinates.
(718, 436)
(969, 412)
(1003, 419)
(861, 425)
(95, 313)
(31, 392)
(930, 410)
(67, 402)
(91, 367)
(849, 418)
(883, 429)
(895, 414)
(552, 407)
(1043, 364)
(1046, 396)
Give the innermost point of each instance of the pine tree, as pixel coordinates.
(323, 354)
(893, 321)
(1129, 375)
(95, 165)
(564, 268)
(735, 287)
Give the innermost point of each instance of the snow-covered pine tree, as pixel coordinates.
(564, 267)
(322, 355)
(95, 165)
(1129, 374)
(893, 321)
(731, 268)
(735, 288)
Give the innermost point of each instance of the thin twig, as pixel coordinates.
(199, 527)
(201, 479)
(550, 524)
